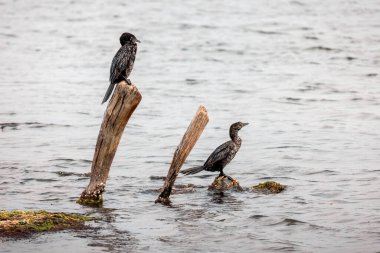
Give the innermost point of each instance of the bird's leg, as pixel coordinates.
(127, 80)
(221, 174)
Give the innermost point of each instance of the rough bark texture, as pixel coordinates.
(191, 136)
(120, 108)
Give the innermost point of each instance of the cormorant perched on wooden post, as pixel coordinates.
(222, 155)
(122, 62)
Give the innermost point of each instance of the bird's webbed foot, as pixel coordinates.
(229, 178)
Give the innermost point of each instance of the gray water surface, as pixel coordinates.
(304, 74)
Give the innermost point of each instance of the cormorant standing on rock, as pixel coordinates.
(222, 155)
(122, 62)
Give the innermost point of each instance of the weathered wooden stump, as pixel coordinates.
(120, 108)
(188, 141)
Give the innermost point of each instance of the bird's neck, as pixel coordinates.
(234, 136)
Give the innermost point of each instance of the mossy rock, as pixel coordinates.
(223, 183)
(89, 200)
(268, 187)
(18, 224)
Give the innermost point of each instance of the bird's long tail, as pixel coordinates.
(193, 170)
(108, 93)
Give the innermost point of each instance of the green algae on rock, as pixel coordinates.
(222, 183)
(268, 187)
(91, 200)
(18, 224)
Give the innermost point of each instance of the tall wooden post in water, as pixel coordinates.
(120, 108)
(187, 143)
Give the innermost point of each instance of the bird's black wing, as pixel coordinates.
(120, 62)
(219, 153)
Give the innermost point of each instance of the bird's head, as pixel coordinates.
(128, 38)
(237, 126)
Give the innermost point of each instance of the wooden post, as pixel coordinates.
(120, 108)
(188, 141)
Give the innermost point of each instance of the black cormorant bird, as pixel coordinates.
(122, 62)
(222, 155)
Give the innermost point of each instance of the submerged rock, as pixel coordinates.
(268, 187)
(222, 183)
(18, 224)
(181, 189)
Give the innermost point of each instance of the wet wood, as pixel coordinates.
(188, 141)
(120, 108)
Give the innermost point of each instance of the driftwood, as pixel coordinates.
(188, 141)
(120, 108)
